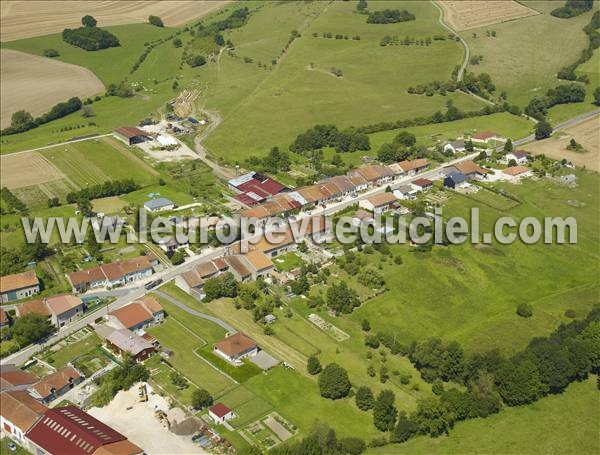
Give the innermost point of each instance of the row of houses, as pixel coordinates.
(334, 188)
(113, 274)
(60, 309)
(254, 188)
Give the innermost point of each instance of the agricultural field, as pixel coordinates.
(469, 293)
(573, 417)
(587, 134)
(35, 83)
(300, 91)
(507, 58)
(36, 18)
(465, 15)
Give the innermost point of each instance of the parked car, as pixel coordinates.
(153, 284)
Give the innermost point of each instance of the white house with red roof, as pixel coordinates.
(220, 413)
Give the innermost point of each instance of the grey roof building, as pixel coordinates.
(159, 204)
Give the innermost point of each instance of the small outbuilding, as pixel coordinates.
(455, 180)
(159, 204)
(220, 413)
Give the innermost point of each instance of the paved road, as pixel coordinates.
(134, 291)
(189, 310)
(465, 62)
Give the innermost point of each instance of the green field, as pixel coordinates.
(293, 95)
(469, 293)
(560, 424)
(552, 42)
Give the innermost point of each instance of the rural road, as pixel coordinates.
(127, 294)
(220, 171)
(465, 62)
(59, 144)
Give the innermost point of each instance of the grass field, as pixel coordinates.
(553, 42)
(469, 293)
(565, 424)
(293, 95)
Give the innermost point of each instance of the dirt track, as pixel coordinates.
(586, 133)
(35, 83)
(25, 19)
(468, 14)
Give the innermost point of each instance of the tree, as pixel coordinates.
(384, 411)
(519, 382)
(51, 53)
(201, 399)
(405, 138)
(177, 42)
(364, 398)
(438, 387)
(196, 60)
(543, 130)
(313, 366)
(366, 326)
(20, 119)
(433, 417)
(84, 206)
(405, 429)
(156, 21)
(177, 258)
(342, 299)
(361, 5)
(179, 381)
(88, 21)
(334, 382)
(87, 111)
(508, 146)
(219, 40)
(524, 310)
(372, 341)
(300, 286)
(30, 328)
(597, 96)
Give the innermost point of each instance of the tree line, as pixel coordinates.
(22, 121)
(572, 8)
(591, 30)
(319, 136)
(561, 94)
(89, 37)
(389, 16)
(106, 189)
(13, 203)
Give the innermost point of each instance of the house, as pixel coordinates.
(112, 274)
(107, 223)
(422, 184)
(516, 173)
(456, 180)
(136, 315)
(64, 309)
(4, 320)
(82, 280)
(18, 413)
(236, 347)
(405, 192)
(254, 188)
(131, 135)
(413, 167)
(32, 306)
(359, 182)
(343, 184)
(13, 378)
(159, 204)
(469, 168)
(454, 147)
(124, 341)
(18, 286)
(259, 264)
(238, 268)
(70, 430)
(519, 156)
(485, 137)
(55, 384)
(376, 174)
(378, 203)
(220, 413)
(173, 244)
(282, 246)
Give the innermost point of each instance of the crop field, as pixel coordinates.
(552, 42)
(469, 293)
(464, 15)
(28, 169)
(587, 134)
(35, 83)
(275, 104)
(22, 19)
(573, 417)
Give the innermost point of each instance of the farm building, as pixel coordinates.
(131, 135)
(220, 413)
(456, 180)
(164, 140)
(55, 384)
(18, 413)
(254, 188)
(236, 347)
(71, 430)
(378, 203)
(159, 204)
(18, 286)
(13, 378)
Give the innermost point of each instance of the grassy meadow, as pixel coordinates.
(565, 424)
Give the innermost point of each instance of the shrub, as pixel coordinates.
(313, 366)
(196, 60)
(364, 398)
(201, 399)
(524, 310)
(51, 53)
(156, 21)
(570, 314)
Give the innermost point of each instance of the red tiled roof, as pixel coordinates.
(33, 306)
(485, 135)
(422, 182)
(11, 376)
(3, 317)
(515, 170)
(18, 281)
(55, 381)
(21, 409)
(132, 315)
(220, 410)
(236, 344)
(130, 131)
(69, 430)
(62, 303)
(86, 276)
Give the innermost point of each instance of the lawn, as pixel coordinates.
(247, 406)
(565, 424)
(299, 91)
(70, 348)
(553, 42)
(287, 262)
(469, 293)
(240, 374)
